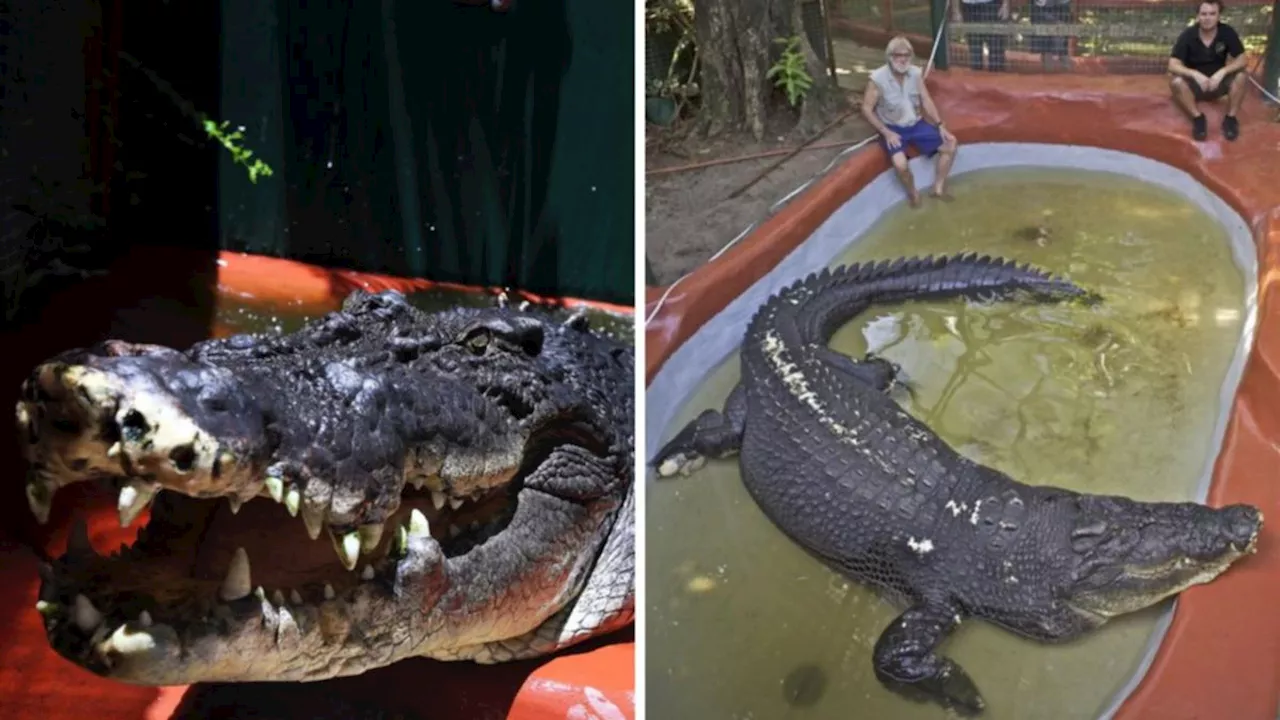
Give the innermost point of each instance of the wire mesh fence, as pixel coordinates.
(1080, 36)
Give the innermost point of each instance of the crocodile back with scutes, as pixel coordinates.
(839, 466)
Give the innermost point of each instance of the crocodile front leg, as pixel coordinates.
(712, 434)
(906, 661)
(883, 375)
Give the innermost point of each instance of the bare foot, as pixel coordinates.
(913, 200)
(942, 195)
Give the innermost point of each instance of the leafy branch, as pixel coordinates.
(789, 72)
(241, 155)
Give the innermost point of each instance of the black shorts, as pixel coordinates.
(1223, 88)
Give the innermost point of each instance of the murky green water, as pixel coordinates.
(1121, 398)
(247, 316)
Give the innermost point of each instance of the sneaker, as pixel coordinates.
(1198, 130)
(1230, 127)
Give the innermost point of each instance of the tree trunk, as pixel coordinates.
(736, 48)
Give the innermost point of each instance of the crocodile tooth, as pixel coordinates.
(454, 531)
(84, 614)
(40, 501)
(275, 487)
(287, 630)
(78, 544)
(44, 607)
(260, 593)
(115, 449)
(370, 536)
(134, 498)
(24, 415)
(292, 501)
(235, 503)
(402, 541)
(295, 597)
(277, 598)
(438, 499)
(417, 481)
(418, 525)
(367, 573)
(239, 581)
(128, 643)
(313, 517)
(144, 619)
(455, 503)
(348, 547)
(328, 591)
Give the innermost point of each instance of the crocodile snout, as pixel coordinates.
(1242, 523)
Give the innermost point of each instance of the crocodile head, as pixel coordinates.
(465, 467)
(1131, 555)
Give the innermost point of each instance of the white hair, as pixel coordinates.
(899, 43)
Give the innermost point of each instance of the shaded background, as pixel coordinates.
(427, 139)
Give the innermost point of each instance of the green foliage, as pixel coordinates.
(669, 23)
(789, 72)
(240, 154)
(668, 15)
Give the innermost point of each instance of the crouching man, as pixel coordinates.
(1205, 65)
(898, 106)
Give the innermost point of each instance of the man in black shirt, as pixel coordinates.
(1205, 63)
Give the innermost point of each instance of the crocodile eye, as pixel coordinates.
(478, 341)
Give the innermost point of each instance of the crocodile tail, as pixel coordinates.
(827, 298)
(980, 277)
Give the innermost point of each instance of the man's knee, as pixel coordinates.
(1177, 84)
(949, 146)
(899, 160)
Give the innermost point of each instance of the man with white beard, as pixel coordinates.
(899, 107)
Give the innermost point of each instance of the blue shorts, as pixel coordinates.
(923, 136)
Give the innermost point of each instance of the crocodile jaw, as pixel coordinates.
(144, 617)
(1219, 539)
(209, 638)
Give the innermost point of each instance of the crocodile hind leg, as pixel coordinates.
(710, 435)
(906, 661)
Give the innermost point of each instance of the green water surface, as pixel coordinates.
(1120, 398)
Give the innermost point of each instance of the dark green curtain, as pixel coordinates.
(429, 139)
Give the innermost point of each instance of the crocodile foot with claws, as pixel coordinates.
(471, 471)
(868, 489)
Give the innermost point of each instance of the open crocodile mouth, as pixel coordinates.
(195, 561)
(201, 558)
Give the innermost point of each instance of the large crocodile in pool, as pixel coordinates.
(472, 470)
(846, 473)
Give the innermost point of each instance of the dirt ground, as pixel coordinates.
(689, 214)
